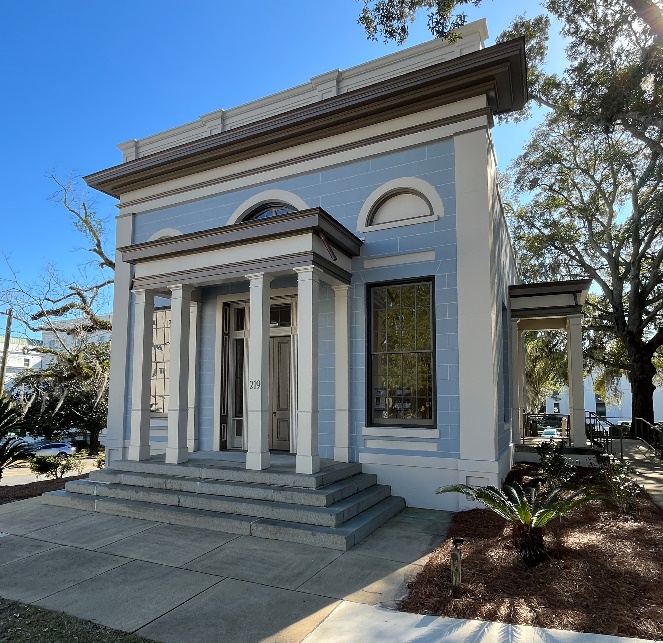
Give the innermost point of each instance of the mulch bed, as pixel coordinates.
(23, 491)
(604, 573)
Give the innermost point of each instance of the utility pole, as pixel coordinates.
(5, 352)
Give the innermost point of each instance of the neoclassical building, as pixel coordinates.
(324, 274)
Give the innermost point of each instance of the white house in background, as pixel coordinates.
(59, 337)
(20, 357)
(336, 268)
(593, 402)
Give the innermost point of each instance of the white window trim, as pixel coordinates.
(407, 184)
(267, 196)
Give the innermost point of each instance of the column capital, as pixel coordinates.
(304, 273)
(181, 288)
(574, 319)
(341, 287)
(257, 278)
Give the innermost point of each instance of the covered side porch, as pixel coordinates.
(542, 306)
(308, 246)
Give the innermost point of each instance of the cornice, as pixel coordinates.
(499, 72)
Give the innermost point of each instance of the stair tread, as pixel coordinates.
(241, 506)
(341, 537)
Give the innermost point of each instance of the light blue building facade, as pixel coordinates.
(335, 264)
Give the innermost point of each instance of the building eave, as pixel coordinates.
(498, 72)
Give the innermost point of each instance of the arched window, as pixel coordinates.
(269, 210)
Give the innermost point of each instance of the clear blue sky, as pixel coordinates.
(80, 77)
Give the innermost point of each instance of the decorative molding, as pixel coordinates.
(400, 260)
(266, 197)
(406, 184)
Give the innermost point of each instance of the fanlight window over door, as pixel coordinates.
(269, 210)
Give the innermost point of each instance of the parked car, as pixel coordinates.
(549, 434)
(55, 448)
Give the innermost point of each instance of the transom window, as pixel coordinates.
(268, 210)
(401, 354)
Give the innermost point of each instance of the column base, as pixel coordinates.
(341, 454)
(136, 453)
(176, 456)
(307, 464)
(256, 461)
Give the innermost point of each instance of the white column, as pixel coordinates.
(516, 381)
(120, 365)
(141, 371)
(192, 420)
(308, 286)
(576, 389)
(257, 394)
(178, 385)
(341, 373)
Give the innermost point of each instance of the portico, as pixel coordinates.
(308, 246)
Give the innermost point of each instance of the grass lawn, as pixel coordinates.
(21, 623)
(604, 573)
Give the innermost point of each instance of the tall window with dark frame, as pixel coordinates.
(402, 391)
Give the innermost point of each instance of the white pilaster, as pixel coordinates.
(178, 386)
(308, 286)
(516, 381)
(192, 420)
(341, 373)
(257, 394)
(141, 370)
(119, 369)
(576, 389)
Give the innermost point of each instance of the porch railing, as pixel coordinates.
(651, 434)
(535, 423)
(602, 432)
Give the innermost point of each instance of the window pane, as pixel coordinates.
(401, 345)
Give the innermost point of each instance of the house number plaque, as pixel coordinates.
(254, 384)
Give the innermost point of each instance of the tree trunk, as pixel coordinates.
(641, 376)
(94, 441)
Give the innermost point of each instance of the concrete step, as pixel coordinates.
(322, 497)
(333, 516)
(235, 471)
(340, 538)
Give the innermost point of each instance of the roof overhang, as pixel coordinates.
(274, 246)
(546, 305)
(498, 72)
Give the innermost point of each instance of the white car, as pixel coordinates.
(549, 434)
(61, 449)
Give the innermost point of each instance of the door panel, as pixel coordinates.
(279, 437)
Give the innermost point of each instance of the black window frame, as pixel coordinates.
(395, 422)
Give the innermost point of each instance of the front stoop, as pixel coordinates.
(336, 508)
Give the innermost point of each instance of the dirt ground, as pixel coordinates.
(23, 491)
(604, 573)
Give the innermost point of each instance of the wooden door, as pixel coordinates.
(279, 353)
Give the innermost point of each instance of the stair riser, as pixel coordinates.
(290, 513)
(189, 470)
(324, 497)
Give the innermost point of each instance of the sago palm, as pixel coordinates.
(12, 449)
(527, 510)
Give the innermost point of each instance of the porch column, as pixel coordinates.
(178, 386)
(308, 286)
(141, 373)
(576, 385)
(517, 381)
(258, 420)
(341, 373)
(192, 420)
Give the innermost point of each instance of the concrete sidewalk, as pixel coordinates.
(647, 467)
(185, 585)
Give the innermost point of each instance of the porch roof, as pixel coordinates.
(546, 305)
(274, 245)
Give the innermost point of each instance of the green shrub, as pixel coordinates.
(527, 510)
(556, 469)
(616, 478)
(101, 460)
(56, 467)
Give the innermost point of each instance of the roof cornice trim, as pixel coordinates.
(498, 71)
